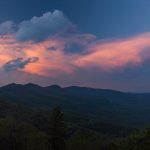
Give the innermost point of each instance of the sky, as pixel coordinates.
(93, 43)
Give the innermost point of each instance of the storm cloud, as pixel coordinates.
(40, 28)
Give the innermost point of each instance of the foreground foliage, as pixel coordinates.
(23, 128)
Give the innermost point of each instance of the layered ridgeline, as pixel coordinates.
(127, 109)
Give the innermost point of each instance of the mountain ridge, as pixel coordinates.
(73, 86)
(58, 86)
(103, 104)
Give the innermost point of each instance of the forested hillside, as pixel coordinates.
(72, 118)
(29, 128)
(129, 109)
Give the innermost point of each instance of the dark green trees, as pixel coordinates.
(21, 136)
(57, 130)
(139, 141)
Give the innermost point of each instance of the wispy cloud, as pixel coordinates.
(116, 54)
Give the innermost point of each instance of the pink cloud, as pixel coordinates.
(106, 55)
(50, 63)
(117, 54)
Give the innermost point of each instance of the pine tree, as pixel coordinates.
(57, 130)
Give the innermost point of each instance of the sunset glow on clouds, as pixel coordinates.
(52, 58)
(117, 54)
(51, 46)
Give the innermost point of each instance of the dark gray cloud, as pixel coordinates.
(19, 63)
(75, 48)
(40, 28)
(52, 48)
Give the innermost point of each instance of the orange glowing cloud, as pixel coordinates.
(53, 60)
(117, 53)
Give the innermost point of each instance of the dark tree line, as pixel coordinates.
(49, 131)
(16, 135)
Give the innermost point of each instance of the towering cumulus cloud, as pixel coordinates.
(40, 28)
(50, 46)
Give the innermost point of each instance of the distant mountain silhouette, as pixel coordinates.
(102, 104)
